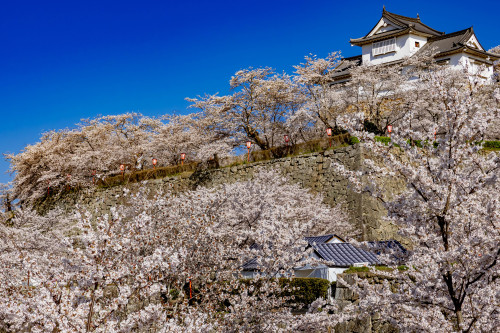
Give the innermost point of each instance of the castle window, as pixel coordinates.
(383, 47)
(417, 44)
(443, 62)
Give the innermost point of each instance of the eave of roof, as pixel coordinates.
(471, 51)
(384, 35)
(455, 42)
(407, 24)
(346, 73)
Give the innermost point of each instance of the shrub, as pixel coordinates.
(492, 145)
(356, 270)
(353, 140)
(353, 269)
(307, 290)
(383, 139)
(304, 290)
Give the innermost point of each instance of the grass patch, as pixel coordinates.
(491, 145)
(383, 139)
(138, 176)
(353, 269)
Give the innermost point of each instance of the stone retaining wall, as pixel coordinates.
(370, 323)
(315, 171)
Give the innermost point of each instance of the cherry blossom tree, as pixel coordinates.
(449, 212)
(377, 90)
(324, 102)
(130, 270)
(257, 110)
(5, 196)
(97, 147)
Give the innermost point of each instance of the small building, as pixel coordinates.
(337, 257)
(335, 254)
(395, 37)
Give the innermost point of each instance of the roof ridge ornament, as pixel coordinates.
(418, 17)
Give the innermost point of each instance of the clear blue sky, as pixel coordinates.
(61, 61)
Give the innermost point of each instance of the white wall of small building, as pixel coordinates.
(405, 47)
(322, 272)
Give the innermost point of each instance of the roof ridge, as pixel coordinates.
(396, 16)
(451, 34)
(467, 36)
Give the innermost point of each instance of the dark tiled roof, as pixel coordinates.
(454, 42)
(414, 23)
(250, 265)
(321, 239)
(345, 65)
(344, 254)
(448, 42)
(318, 239)
(380, 36)
(405, 25)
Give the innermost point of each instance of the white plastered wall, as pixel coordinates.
(322, 272)
(405, 47)
(460, 61)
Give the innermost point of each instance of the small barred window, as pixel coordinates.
(383, 47)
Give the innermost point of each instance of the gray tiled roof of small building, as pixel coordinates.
(318, 239)
(251, 265)
(344, 254)
(321, 239)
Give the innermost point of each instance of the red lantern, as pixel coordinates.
(183, 157)
(287, 139)
(154, 163)
(122, 167)
(249, 144)
(190, 289)
(389, 128)
(329, 133)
